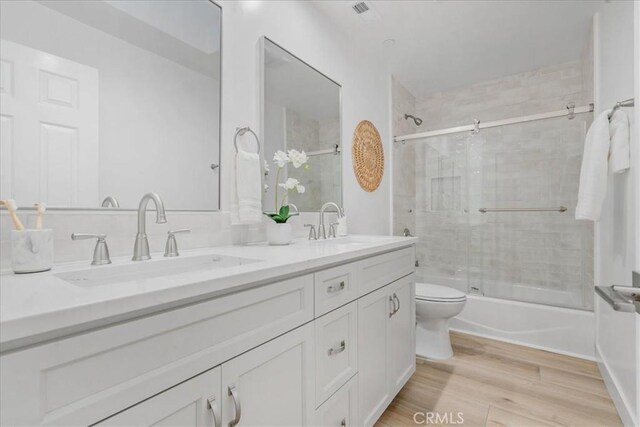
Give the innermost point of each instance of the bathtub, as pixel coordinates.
(560, 330)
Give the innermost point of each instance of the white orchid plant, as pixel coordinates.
(297, 159)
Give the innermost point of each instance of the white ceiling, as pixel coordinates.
(446, 44)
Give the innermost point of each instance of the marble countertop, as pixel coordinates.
(43, 306)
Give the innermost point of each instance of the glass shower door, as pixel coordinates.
(539, 257)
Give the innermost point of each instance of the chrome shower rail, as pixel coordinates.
(335, 150)
(570, 111)
(558, 209)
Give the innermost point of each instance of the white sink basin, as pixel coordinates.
(144, 270)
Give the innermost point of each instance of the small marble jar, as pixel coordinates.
(31, 250)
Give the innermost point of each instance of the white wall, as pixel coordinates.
(616, 233)
(305, 32)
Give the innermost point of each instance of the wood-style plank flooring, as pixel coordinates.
(492, 383)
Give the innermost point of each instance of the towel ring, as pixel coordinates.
(242, 131)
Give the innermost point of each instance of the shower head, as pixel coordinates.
(416, 120)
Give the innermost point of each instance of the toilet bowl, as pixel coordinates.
(435, 305)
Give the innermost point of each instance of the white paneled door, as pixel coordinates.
(49, 128)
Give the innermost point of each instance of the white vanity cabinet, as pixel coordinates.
(193, 403)
(386, 345)
(271, 385)
(331, 346)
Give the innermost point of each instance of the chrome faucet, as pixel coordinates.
(110, 201)
(141, 247)
(321, 230)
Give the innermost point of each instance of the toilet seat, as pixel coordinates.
(437, 293)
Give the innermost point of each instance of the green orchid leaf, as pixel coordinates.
(284, 212)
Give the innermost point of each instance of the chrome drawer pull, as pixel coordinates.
(395, 297)
(236, 404)
(343, 423)
(335, 288)
(338, 350)
(211, 404)
(393, 310)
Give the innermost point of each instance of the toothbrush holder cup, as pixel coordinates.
(31, 250)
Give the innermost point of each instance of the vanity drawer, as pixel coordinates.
(336, 350)
(88, 377)
(341, 409)
(335, 287)
(378, 271)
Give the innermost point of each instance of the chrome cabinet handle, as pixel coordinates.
(211, 404)
(343, 423)
(395, 297)
(337, 350)
(393, 310)
(236, 404)
(335, 288)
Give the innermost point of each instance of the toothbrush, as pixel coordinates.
(40, 208)
(11, 206)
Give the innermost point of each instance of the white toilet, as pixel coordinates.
(435, 305)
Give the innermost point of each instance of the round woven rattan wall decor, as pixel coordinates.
(368, 156)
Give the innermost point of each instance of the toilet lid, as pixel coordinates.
(428, 292)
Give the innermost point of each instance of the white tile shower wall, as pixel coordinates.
(538, 257)
(404, 179)
(322, 178)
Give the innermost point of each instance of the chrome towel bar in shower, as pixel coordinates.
(558, 209)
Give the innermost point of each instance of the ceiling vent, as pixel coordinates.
(360, 7)
(366, 11)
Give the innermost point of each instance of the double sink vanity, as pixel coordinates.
(315, 333)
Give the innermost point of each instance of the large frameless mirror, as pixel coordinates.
(104, 101)
(301, 111)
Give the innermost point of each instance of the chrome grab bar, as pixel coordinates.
(558, 209)
(622, 298)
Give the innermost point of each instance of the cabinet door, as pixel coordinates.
(195, 402)
(401, 332)
(373, 314)
(273, 384)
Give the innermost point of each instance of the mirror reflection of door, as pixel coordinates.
(49, 128)
(302, 112)
(110, 98)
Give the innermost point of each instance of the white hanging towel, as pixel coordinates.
(246, 189)
(606, 149)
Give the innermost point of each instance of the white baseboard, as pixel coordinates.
(621, 405)
(524, 344)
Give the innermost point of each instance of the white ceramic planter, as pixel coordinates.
(279, 234)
